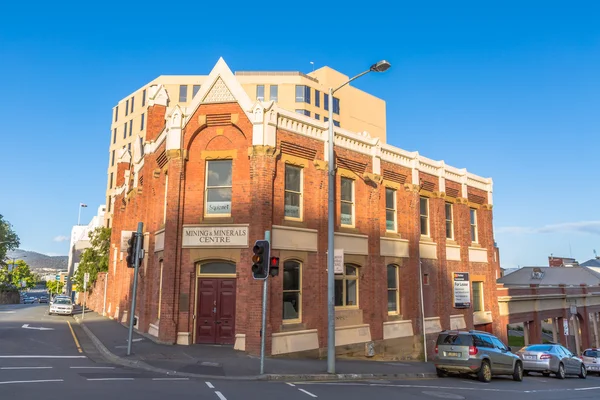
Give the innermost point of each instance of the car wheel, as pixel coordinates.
(561, 371)
(440, 373)
(583, 372)
(485, 372)
(518, 372)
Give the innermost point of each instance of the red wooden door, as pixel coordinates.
(215, 322)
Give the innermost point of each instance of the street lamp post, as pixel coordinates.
(381, 66)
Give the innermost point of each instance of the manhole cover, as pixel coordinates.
(442, 395)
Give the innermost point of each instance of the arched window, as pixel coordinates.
(217, 268)
(292, 291)
(393, 293)
(346, 287)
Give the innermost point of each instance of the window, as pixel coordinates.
(116, 113)
(274, 92)
(347, 201)
(336, 105)
(326, 119)
(390, 210)
(126, 107)
(317, 116)
(112, 163)
(346, 287)
(293, 192)
(114, 135)
(392, 292)
(302, 94)
(477, 296)
(195, 90)
(130, 127)
(125, 131)
(260, 92)
(144, 98)
(182, 93)
(473, 215)
(292, 295)
(142, 123)
(326, 101)
(426, 279)
(218, 187)
(217, 267)
(109, 202)
(449, 222)
(336, 123)
(132, 99)
(303, 112)
(317, 98)
(424, 210)
(129, 146)
(111, 180)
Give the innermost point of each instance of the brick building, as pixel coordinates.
(209, 179)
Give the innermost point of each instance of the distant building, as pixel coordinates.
(556, 276)
(562, 262)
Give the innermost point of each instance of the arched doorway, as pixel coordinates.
(215, 302)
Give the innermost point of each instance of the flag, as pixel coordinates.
(82, 205)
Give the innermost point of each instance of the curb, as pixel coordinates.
(113, 358)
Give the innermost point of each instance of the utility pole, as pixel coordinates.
(137, 255)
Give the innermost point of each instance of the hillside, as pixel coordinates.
(38, 261)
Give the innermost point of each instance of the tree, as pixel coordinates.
(21, 275)
(8, 238)
(94, 259)
(51, 285)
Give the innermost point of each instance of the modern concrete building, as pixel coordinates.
(354, 109)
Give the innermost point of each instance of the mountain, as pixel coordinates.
(38, 261)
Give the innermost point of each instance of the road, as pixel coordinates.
(59, 362)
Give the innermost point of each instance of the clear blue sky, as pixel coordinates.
(509, 91)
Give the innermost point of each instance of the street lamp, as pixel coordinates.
(380, 66)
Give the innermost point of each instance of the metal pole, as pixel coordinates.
(84, 300)
(263, 329)
(136, 263)
(79, 216)
(422, 308)
(330, 244)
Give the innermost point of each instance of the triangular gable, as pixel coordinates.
(220, 86)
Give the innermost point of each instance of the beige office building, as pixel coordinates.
(353, 109)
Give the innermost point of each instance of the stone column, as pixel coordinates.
(554, 330)
(595, 326)
(526, 333)
(575, 327)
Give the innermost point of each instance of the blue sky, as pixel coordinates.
(509, 91)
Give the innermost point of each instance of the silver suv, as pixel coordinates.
(475, 352)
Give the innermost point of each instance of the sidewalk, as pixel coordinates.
(203, 361)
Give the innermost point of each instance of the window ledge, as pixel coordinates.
(217, 220)
(292, 326)
(474, 244)
(426, 238)
(451, 241)
(295, 224)
(391, 234)
(348, 229)
(394, 317)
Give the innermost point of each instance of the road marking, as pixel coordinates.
(210, 385)
(38, 381)
(26, 326)
(291, 384)
(110, 379)
(74, 338)
(220, 395)
(92, 367)
(7, 312)
(26, 368)
(27, 356)
(170, 379)
(308, 393)
(589, 388)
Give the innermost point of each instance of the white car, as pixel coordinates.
(61, 305)
(591, 359)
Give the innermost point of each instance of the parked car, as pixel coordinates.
(551, 359)
(43, 299)
(475, 352)
(29, 300)
(61, 305)
(591, 360)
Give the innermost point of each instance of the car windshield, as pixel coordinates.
(592, 353)
(539, 347)
(63, 301)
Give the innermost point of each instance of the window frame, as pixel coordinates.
(132, 102)
(424, 216)
(125, 130)
(127, 107)
(276, 97)
(183, 96)
(396, 289)
(195, 90)
(143, 97)
(394, 209)
(317, 98)
(298, 291)
(258, 87)
(345, 278)
(449, 220)
(336, 105)
(142, 122)
(206, 189)
(200, 264)
(480, 297)
(300, 193)
(302, 111)
(473, 225)
(116, 113)
(114, 135)
(352, 202)
(130, 128)
(305, 98)
(112, 163)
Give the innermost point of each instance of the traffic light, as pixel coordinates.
(131, 251)
(274, 266)
(260, 259)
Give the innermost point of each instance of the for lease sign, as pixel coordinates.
(462, 290)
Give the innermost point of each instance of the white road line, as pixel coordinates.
(210, 385)
(308, 393)
(25, 367)
(27, 356)
(38, 381)
(589, 388)
(220, 395)
(170, 379)
(110, 379)
(291, 384)
(92, 367)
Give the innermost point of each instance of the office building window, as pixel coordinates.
(274, 92)
(317, 116)
(326, 101)
(390, 210)
(449, 222)
(317, 98)
(346, 287)
(112, 163)
(142, 122)
(478, 296)
(303, 112)
(218, 187)
(260, 92)
(114, 135)
(424, 211)
(293, 192)
(347, 201)
(393, 295)
(302, 94)
(292, 291)
(195, 90)
(132, 100)
(473, 216)
(143, 97)
(336, 105)
(109, 203)
(129, 146)
(125, 130)
(336, 123)
(116, 113)
(130, 127)
(111, 179)
(126, 107)
(182, 93)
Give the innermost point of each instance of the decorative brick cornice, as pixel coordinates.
(174, 154)
(462, 200)
(321, 165)
(156, 173)
(487, 207)
(375, 178)
(438, 195)
(263, 151)
(411, 187)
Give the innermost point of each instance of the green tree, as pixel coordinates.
(51, 285)
(8, 238)
(21, 274)
(94, 259)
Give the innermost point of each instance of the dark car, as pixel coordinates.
(43, 299)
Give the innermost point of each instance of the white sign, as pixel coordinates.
(86, 277)
(566, 326)
(218, 207)
(462, 290)
(215, 236)
(125, 236)
(338, 261)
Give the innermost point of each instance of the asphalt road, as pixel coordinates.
(59, 362)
